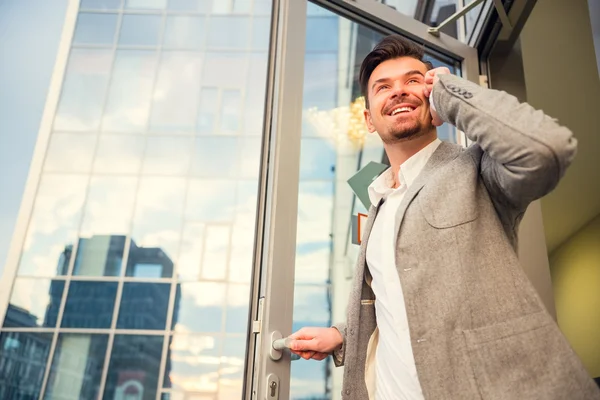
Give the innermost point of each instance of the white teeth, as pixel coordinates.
(401, 109)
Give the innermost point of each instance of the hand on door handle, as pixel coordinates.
(315, 343)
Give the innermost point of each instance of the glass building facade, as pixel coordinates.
(134, 275)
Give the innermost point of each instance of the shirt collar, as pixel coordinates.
(409, 171)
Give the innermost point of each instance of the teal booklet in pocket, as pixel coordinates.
(360, 181)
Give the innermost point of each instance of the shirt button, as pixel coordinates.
(348, 391)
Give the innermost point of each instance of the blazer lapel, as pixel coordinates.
(444, 153)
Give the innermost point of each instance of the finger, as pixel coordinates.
(307, 355)
(301, 345)
(320, 356)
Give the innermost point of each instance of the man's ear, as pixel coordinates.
(368, 120)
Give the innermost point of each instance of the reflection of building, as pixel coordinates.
(22, 360)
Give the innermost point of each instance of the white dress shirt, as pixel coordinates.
(395, 371)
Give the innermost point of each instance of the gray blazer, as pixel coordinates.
(477, 326)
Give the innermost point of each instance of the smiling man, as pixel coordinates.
(440, 307)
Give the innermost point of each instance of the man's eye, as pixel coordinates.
(380, 88)
(413, 81)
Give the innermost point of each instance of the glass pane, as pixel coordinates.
(261, 30)
(109, 206)
(100, 255)
(34, 303)
(89, 305)
(255, 92)
(76, 366)
(134, 367)
(190, 5)
(194, 363)
(201, 308)
(238, 298)
(207, 114)
(229, 32)
(146, 4)
(119, 154)
(95, 29)
(24, 355)
(140, 30)
(230, 111)
(177, 90)
(68, 152)
(53, 226)
(210, 200)
(183, 32)
(216, 157)
(226, 70)
(100, 4)
(82, 94)
(148, 262)
(167, 156)
(130, 91)
(158, 216)
(319, 28)
(217, 247)
(144, 306)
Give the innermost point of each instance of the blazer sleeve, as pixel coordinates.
(525, 152)
(338, 355)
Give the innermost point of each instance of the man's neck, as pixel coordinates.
(399, 152)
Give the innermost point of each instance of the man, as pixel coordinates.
(440, 308)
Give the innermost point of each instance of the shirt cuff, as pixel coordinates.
(431, 103)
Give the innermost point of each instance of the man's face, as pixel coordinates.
(398, 109)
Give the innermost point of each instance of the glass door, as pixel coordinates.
(319, 141)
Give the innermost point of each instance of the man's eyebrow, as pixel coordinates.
(407, 74)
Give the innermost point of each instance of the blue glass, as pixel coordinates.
(238, 302)
(134, 367)
(100, 4)
(322, 34)
(215, 157)
(140, 30)
(200, 6)
(144, 306)
(322, 92)
(228, 32)
(89, 305)
(148, 262)
(201, 307)
(100, 255)
(23, 357)
(317, 159)
(95, 28)
(78, 360)
(34, 303)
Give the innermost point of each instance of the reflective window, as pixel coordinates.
(68, 152)
(210, 200)
(167, 156)
(109, 206)
(95, 28)
(182, 32)
(217, 247)
(230, 110)
(238, 297)
(207, 113)
(134, 367)
(318, 28)
(190, 5)
(100, 255)
(151, 262)
(119, 154)
(53, 226)
(100, 4)
(261, 30)
(144, 306)
(82, 94)
(89, 305)
(318, 159)
(25, 355)
(220, 28)
(76, 366)
(194, 363)
(34, 303)
(175, 104)
(202, 307)
(215, 157)
(141, 30)
(146, 4)
(129, 95)
(158, 215)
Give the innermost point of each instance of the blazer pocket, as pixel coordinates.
(510, 359)
(446, 207)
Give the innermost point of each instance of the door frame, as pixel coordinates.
(275, 250)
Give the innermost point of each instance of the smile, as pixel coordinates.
(401, 109)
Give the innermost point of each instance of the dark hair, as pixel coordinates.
(393, 46)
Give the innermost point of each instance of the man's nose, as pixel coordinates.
(399, 90)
